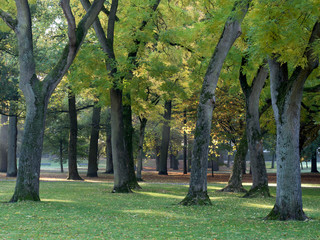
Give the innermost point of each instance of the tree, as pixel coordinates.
(37, 92)
(197, 194)
(4, 144)
(286, 92)
(253, 131)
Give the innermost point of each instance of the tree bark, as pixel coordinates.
(93, 150)
(235, 180)
(254, 137)
(128, 132)
(185, 144)
(143, 123)
(314, 162)
(61, 155)
(109, 163)
(73, 138)
(4, 144)
(165, 139)
(12, 144)
(119, 152)
(286, 95)
(197, 194)
(157, 153)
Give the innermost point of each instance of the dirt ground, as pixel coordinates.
(173, 177)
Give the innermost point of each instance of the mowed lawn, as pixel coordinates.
(86, 210)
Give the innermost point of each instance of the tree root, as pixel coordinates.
(258, 191)
(198, 198)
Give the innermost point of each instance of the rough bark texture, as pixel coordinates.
(254, 137)
(198, 182)
(73, 138)
(12, 146)
(128, 133)
(165, 139)
(235, 180)
(93, 149)
(143, 123)
(286, 95)
(4, 144)
(109, 163)
(119, 153)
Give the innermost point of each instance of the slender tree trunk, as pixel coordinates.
(128, 132)
(197, 194)
(4, 144)
(12, 145)
(165, 139)
(235, 180)
(93, 150)
(314, 162)
(143, 123)
(119, 152)
(190, 146)
(157, 152)
(185, 144)
(109, 163)
(254, 136)
(273, 158)
(73, 138)
(61, 155)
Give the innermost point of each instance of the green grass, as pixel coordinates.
(82, 210)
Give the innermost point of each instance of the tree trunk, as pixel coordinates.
(12, 146)
(93, 150)
(119, 152)
(286, 107)
(61, 154)
(197, 194)
(4, 144)
(185, 144)
(165, 139)
(157, 152)
(73, 138)
(143, 123)
(109, 163)
(128, 132)
(27, 184)
(314, 162)
(254, 137)
(235, 180)
(190, 146)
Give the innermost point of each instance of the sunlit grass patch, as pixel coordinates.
(87, 210)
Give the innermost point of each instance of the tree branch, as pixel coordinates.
(313, 89)
(9, 20)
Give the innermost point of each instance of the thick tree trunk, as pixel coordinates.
(165, 139)
(235, 180)
(119, 152)
(12, 146)
(286, 107)
(27, 184)
(128, 132)
(254, 136)
(109, 163)
(143, 123)
(93, 149)
(4, 143)
(73, 138)
(197, 194)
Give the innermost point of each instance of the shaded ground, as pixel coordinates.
(173, 177)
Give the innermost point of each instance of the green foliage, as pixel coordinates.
(86, 210)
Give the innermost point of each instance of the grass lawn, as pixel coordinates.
(84, 210)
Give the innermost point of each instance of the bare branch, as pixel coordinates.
(9, 20)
